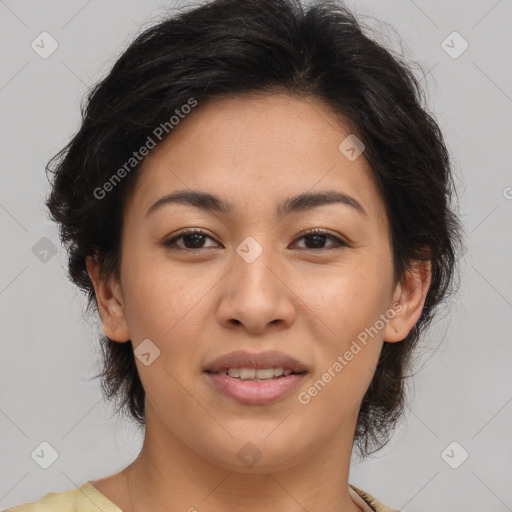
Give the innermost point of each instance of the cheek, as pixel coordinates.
(345, 347)
(346, 307)
(168, 306)
(156, 294)
(347, 298)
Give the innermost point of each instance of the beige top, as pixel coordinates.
(87, 498)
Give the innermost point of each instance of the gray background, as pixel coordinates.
(462, 389)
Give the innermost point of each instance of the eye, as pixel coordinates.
(192, 238)
(317, 237)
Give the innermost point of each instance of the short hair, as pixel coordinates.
(225, 48)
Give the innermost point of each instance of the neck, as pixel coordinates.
(168, 476)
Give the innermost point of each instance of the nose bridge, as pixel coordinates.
(254, 294)
(253, 263)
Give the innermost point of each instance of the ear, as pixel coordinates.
(110, 303)
(408, 300)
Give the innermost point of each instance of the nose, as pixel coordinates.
(256, 296)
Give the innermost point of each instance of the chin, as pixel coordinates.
(258, 453)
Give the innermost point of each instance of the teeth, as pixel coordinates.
(264, 373)
(248, 373)
(252, 373)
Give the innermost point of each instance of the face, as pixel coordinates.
(252, 278)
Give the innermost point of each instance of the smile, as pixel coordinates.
(254, 391)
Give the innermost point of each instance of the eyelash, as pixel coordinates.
(193, 231)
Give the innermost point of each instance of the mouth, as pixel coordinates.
(255, 392)
(257, 374)
(263, 362)
(255, 378)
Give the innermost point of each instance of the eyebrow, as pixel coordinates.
(211, 203)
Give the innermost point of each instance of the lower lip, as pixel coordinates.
(254, 392)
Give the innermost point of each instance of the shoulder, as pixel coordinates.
(82, 499)
(50, 502)
(374, 503)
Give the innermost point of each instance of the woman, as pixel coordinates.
(259, 208)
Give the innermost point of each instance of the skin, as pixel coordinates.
(301, 296)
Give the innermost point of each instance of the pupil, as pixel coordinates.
(195, 241)
(317, 237)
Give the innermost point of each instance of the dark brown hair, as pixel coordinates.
(232, 47)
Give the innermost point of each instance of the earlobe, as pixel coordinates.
(110, 303)
(409, 298)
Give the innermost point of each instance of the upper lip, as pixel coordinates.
(243, 359)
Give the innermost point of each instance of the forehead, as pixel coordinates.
(257, 149)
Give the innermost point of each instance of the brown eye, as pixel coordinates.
(318, 237)
(193, 239)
